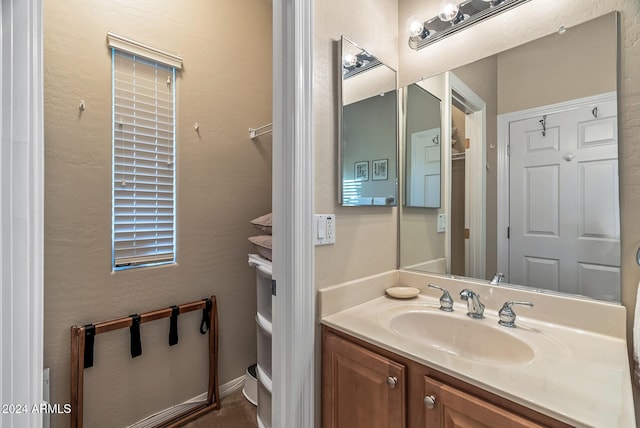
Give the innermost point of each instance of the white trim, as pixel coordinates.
(293, 192)
(503, 162)
(173, 411)
(447, 120)
(477, 160)
(21, 209)
(133, 47)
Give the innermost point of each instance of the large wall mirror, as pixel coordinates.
(368, 133)
(530, 168)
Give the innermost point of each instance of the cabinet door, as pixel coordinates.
(361, 389)
(456, 409)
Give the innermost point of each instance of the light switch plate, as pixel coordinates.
(442, 222)
(325, 229)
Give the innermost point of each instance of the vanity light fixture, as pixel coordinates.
(453, 15)
(353, 64)
(494, 2)
(350, 61)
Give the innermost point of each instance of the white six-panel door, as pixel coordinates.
(564, 210)
(425, 169)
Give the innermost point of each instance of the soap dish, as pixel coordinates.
(403, 292)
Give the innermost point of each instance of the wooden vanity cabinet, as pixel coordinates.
(361, 389)
(449, 407)
(357, 392)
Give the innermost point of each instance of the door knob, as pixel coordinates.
(569, 157)
(392, 381)
(430, 401)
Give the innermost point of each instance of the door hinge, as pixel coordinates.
(508, 232)
(508, 149)
(467, 143)
(466, 233)
(273, 287)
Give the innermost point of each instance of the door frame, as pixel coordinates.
(473, 104)
(504, 121)
(294, 322)
(22, 209)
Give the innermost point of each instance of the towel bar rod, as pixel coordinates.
(107, 326)
(256, 132)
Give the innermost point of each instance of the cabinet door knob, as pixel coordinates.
(430, 401)
(392, 381)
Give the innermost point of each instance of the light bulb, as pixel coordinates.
(349, 60)
(448, 10)
(415, 26)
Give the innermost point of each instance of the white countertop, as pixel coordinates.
(577, 376)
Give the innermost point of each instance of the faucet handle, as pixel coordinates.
(507, 315)
(446, 302)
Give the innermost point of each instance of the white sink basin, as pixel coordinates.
(462, 336)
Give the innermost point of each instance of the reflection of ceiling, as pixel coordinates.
(377, 80)
(358, 85)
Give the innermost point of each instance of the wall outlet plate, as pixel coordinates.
(325, 229)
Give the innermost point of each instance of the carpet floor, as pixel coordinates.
(235, 412)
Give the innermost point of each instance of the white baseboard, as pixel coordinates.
(231, 386)
(171, 412)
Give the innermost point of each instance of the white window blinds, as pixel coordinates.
(143, 161)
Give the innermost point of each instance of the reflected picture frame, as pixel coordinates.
(361, 171)
(380, 169)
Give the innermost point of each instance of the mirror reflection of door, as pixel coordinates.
(564, 228)
(423, 149)
(425, 169)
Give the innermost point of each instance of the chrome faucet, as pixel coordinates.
(507, 315)
(497, 279)
(475, 309)
(446, 302)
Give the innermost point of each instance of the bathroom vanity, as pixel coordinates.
(365, 385)
(405, 363)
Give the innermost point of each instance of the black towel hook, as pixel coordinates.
(136, 343)
(173, 325)
(205, 325)
(89, 338)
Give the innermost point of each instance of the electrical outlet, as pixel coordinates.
(331, 229)
(325, 229)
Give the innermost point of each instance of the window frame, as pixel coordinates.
(129, 50)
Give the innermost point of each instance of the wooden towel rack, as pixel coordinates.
(78, 343)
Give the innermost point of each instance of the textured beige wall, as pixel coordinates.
(559, 67)
(366, 237)
(225, 86)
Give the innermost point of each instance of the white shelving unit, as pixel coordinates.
(264, 334)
